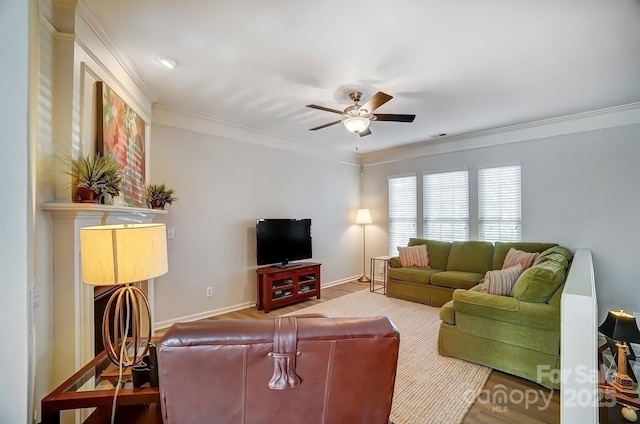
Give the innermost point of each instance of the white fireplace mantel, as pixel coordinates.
(73, 316)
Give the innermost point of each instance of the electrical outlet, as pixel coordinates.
(381, 269)
(171, 232)
(209, 291)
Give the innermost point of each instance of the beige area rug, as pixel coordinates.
(429, 388)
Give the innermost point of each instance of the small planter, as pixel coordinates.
(156, 204)
(86, 195)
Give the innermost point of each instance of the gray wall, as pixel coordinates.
(579, 190)
(16, 215)
(223, 186)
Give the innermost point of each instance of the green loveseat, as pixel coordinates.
(452, 265)
(518, 334)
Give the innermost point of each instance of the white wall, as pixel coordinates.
(16, 214)
(579, 190)
(223, 186)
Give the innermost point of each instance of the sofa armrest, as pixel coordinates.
(507, 309)
(395, 262)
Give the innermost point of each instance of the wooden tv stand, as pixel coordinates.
(280, 286)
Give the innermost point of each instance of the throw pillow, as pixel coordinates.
(414, 256)
(539, 282)
(515, 257)
(501, 281)
(557, 249)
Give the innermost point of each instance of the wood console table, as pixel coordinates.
(280, 286)
(87, 388)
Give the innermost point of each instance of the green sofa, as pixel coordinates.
(518, 334)
(452, 265)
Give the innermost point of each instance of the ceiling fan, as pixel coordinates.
(356, 118)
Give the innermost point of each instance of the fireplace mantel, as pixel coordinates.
(109, 212)
(73, 329)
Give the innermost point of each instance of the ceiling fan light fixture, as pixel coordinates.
(167, 62)
(356, 124)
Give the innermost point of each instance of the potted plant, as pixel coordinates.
(94, 176)
(159, 195)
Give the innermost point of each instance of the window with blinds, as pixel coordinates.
(446, 206)
(499, 205)
(402, 211)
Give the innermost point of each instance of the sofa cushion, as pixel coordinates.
(539, 282)
(470, 256)
(456, 279)
(414, 275)
(519, 257)
(501, 249)
(438, 251)
(555, 249)
(414, 256)
(501, 281)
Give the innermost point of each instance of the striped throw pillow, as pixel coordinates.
(414, 256)
(501, 281)
(515, 257)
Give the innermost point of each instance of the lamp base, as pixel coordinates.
(126, 300)
(364, 279)
(623, 384)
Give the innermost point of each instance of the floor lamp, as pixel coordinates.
(363, 217)
(120, 255)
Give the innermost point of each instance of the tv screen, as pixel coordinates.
(279, 241)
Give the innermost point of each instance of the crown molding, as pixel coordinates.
(616, 116)
(87, 14)
(168, 117)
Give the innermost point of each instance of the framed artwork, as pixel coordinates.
(121, 134)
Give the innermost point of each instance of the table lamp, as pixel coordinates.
(363, 217)
(121, 255)
(621, 327)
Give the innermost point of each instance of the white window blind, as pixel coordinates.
(446, 206)
(402, 211)
(499, 216)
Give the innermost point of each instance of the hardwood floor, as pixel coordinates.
(505, 398)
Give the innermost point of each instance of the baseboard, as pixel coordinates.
(160, 325)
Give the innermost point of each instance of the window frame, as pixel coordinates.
(401, 239)
(500, 222)
(461, 203)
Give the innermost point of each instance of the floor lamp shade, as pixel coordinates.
(363, 216)
(124, 254)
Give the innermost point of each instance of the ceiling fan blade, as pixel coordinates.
(394, 117)
(325, 125)
(376, 101)
(365, 132)
(325, 109)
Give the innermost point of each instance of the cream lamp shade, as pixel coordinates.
(118, 254)
(363, 216)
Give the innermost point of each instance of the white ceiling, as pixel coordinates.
(459, 65)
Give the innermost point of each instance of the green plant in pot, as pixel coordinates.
(94, 176)
(159, 195)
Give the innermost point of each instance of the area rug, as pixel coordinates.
(429, 388)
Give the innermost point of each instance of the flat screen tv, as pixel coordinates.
(280, 241)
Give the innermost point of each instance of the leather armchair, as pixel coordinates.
(288, 371)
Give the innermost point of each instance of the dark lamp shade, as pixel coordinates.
(621, 327)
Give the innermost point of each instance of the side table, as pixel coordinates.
(381, 289)
(86, 389)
